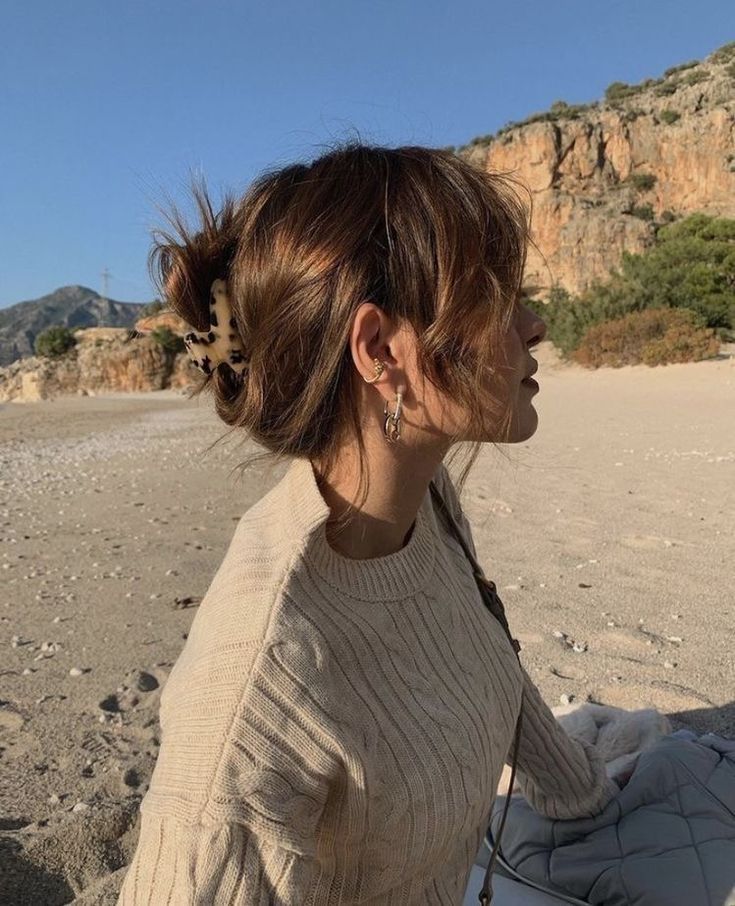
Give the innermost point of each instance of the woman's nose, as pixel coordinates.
(535, 327)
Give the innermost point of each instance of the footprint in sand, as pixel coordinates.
(621, 640)
(568, 673)
(10, 720)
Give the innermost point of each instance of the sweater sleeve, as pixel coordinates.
(560, 776)
(200, 865)
(233, 812)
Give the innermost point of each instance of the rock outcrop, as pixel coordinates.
(165, 318)
(594, 169)
(104, 360)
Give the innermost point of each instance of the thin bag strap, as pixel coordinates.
(495, 606)
(487, 586)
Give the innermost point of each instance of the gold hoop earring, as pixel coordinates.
(392, 422)
(379, 369)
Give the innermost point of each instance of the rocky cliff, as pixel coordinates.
(104, 360)
(602, 175)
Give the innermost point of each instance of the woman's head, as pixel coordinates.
(329, 262)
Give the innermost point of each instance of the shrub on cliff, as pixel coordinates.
(165, 337)
(694, 78)
(54, 342)
(619, 91)
(656, 336)
(642, 211)
(667, 88)
(690, 266)
(680, 67)
(642, 181)
(724, 53)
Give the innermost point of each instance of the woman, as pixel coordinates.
(336, 725)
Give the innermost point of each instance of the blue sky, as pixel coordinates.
(107, 107)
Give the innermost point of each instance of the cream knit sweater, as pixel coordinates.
(334, 730)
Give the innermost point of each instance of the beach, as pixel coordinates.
(609, 534)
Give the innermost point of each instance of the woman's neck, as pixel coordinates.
(385, 521)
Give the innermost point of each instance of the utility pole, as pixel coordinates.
(105, 278)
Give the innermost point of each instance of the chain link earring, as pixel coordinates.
(393, 431)
(392, 420)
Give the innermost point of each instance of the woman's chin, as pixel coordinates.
(525, 424)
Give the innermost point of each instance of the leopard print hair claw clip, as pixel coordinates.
(210, 348)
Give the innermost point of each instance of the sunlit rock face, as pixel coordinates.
(581, 171)
(105, 359)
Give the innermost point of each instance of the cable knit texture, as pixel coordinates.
(334, 730)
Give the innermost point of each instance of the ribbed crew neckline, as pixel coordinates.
(392, 577)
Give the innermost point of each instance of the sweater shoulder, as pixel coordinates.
(245, 588)
(231, 713)
(244, 629)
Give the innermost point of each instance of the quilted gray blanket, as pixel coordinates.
(667, 839)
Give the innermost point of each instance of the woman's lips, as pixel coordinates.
(530, 383)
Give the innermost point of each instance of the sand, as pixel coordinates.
(609, 534)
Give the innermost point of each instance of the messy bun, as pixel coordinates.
(183, 268)
(427, 236)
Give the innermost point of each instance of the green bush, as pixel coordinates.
(669, 116)
(568, 317)
(656, 336)
(632, 114)
(667, 88)
(618, 91)
(642, 181)
(667, 216)
(558, 110)
(692, 78)
(165, 337)
(682, 66)
(724, 54)
(691, 265)
(54, 342)
(643, 211)
(564, 111)
(480, 140)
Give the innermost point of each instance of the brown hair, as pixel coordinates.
(429, 237)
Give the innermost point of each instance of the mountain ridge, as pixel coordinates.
(73, 306)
